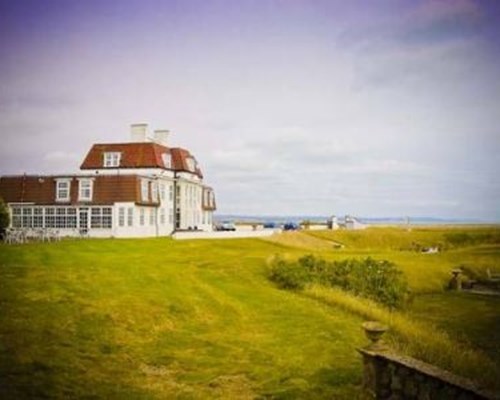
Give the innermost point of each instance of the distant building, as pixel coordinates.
(136, 189)
(352, 223)
(333, 223)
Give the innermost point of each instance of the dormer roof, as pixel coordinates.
(140, 155)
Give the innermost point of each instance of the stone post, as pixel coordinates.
(456, 280)
(376, 377)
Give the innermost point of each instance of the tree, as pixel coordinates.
(4, 217)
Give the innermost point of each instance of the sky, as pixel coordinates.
(381, 108)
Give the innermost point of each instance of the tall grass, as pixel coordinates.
(414, 338)
(392, 238)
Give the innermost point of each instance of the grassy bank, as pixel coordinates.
(419, 337)
(159, 318)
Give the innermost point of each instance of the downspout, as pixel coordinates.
(175, 201)
(23, 187)
(158, 199)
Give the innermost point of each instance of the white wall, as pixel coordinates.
(223, 235)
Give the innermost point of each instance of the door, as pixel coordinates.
(83, 221)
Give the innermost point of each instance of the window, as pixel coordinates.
(154, 191)
(101, 217)
(85, 190)
(44, 217)
(171, 216)
(50, 218)
(121, 216)
(27, 220)
(162, 191)
(141, 217)
(38, 217)
(65, 217)
(151, 216)
(167, 160)
(162, 216)
(62, 189)
(112, 159)
(170, 192)
(144, 190)
(16, 217)
(130, 216)
(191, 164)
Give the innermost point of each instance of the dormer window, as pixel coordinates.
(144, 190)
(154, 191)
(191, 164)
(85, 189)
(63, 189)
(112, 159)
(167, 160)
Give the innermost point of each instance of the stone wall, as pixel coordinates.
(387, 375)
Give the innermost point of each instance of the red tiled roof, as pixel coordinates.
(179, 157)
(138, 155)
(107, 189)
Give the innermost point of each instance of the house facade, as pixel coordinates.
(136, 189)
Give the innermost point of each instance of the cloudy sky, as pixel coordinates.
(373, 108)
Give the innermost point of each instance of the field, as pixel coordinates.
(158, 318)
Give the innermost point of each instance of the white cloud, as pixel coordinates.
(395, 115)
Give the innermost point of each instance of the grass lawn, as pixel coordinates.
(158, 318)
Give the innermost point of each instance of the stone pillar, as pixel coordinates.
(376, 374)
(456, 280)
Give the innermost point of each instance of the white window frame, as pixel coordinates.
(167, 160)
(152, 216)
(154, 191)
(121, 216)
(130, 216)
(141, 216)
(191, 164)
(67, 189)
(162, 191)
(82, 190)
(112, 159)
(144, 190)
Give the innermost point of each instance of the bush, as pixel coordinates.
(4, 217)
(288, 275)
(378, 280)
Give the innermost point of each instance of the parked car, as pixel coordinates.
(269, 225)
(225, 226)
(290, 226)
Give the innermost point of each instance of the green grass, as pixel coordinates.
(420, 338)
(159, 318)
(474, 320)
(477, 248)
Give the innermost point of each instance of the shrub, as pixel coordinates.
(378, 280)
(288, 275)
(4, 217)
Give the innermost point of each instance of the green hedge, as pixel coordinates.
(379, 280)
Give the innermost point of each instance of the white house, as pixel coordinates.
(352, 223)
(134, 189)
